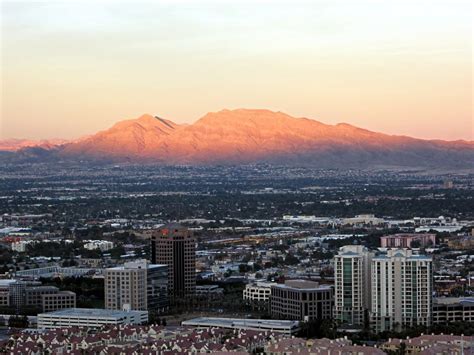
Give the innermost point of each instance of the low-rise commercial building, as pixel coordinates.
(461, 242)
(278, 326)
(15, 293)
(102, 245)
(453, 309)
(301, 300)
(59, 300)
(90, 318)
(54, 271)
(408, 240)
(363, 220)
(21, 245)
(34, 295)
(257, 294)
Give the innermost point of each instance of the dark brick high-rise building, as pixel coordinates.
(175, 246)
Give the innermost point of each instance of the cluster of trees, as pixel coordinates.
(89, 291)
(318, 328)
(255, 267)
(5, 259)
(156, 319)
(22, 311)
(280, 261)
(230, 301)
(67, 251)
(17, 321)
(55, 249)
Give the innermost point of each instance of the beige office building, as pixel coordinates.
(258, 291)
(60, 300)
(126, 287)
(34, 295)
(301, 300)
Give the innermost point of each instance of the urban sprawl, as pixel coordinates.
(253, 259)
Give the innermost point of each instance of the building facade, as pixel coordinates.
(461, 242)
(89, 317)
(6, 289)
(157, 288)
(363, 220)
(4, 298)
(18, 294)
(402, 285)
(408, 240)
(258, 292)
(126, 287)
(56, 301)
(301, 300)
(137, 285)
(352, 297)
(102, 245)
(175, 246)
(271, 325)
(452, 309)
(34, 295)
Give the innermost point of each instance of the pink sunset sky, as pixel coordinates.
(70, 68)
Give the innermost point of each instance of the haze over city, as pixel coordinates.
(72, 68)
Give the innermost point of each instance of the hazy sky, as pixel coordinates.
(70, 68)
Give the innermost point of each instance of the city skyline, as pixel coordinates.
(71, 69)
(245, 177)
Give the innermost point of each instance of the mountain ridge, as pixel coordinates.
(260, 135)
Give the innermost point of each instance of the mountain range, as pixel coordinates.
(248, 136)
(12, 145)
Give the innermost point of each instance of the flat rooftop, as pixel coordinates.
(91, 313)
(465, 301)
(240, 323)
(149, 266)
(6, 282)
(401, 255)
(302, 285)
(408, 235)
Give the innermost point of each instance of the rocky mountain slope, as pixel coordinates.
(246, 136)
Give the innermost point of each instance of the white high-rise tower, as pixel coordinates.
(402, 285)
